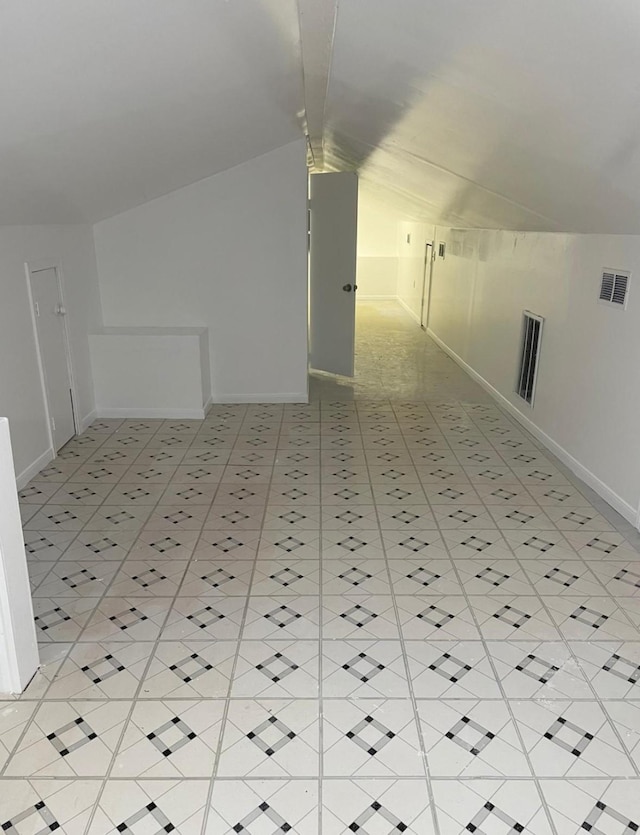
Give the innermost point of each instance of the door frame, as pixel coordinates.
(427, 300)
(35, 266)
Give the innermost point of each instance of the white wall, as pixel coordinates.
(21, 397)
(228, 253)
(411, 264)
(18, 643)
(151, 372)
(377, 263)
(587, 404)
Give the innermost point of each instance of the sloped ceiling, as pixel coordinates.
(105, 104)
(520, 114)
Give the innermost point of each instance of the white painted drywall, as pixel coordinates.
(149, 372)
(489, 114)
(377, 262)
(18, 643)
(412, 237)
(21, 397)
(588, 399)
(228, 253)
(116, 103)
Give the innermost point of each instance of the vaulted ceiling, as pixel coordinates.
(489, 113)
(105, 104)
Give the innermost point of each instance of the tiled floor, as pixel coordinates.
(388, 611)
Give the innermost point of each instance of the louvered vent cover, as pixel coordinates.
(614, 287)
(529, 356)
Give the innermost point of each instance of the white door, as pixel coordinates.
(52, 343)
(426, 285)
(333, 203)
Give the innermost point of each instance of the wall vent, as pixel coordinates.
(529, 356)
(441, 249)
(614, 288)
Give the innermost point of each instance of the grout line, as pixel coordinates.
(147, 667)
(420, 778)
(505, 699)
(228, 698)
(577, 661)
(562, 639)
(225, 715)
(320, 635)
(412, 697)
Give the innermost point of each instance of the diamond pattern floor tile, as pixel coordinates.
(571, 739)
(277, 669)
(274, 738)
(134, 807)
(489, 806)
(372, 806)
(170, 739)
(46, 805)
(593, 806)
(274, 806)
(66, 739)
(370, 738)
(390, 610)
(468, 738)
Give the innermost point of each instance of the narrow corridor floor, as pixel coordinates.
(384, 612)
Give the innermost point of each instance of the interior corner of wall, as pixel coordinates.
(32, 470)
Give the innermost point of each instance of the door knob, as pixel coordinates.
(346, 288)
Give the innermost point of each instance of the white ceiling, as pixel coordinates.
(500, 113)
(106, 104)
(494, 113)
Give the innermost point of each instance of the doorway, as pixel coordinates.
(426, 285)
(54, 357)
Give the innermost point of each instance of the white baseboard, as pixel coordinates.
(296, 397)
(361, 297)
(170, 414)
(413, 315)
(23, 478)
(626, 510)
(86, 421)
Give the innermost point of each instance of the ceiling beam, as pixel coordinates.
(317, 20)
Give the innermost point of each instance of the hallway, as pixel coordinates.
(389, 611)
(396, 361)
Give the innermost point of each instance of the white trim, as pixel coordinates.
(301, 397)
(54, 264)
(409, 311)
(34, 328)
(364, 297)
(133, 412)
(424, 297)
(86, 421)
(23, 478)
(197, 414)
(630, 513)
